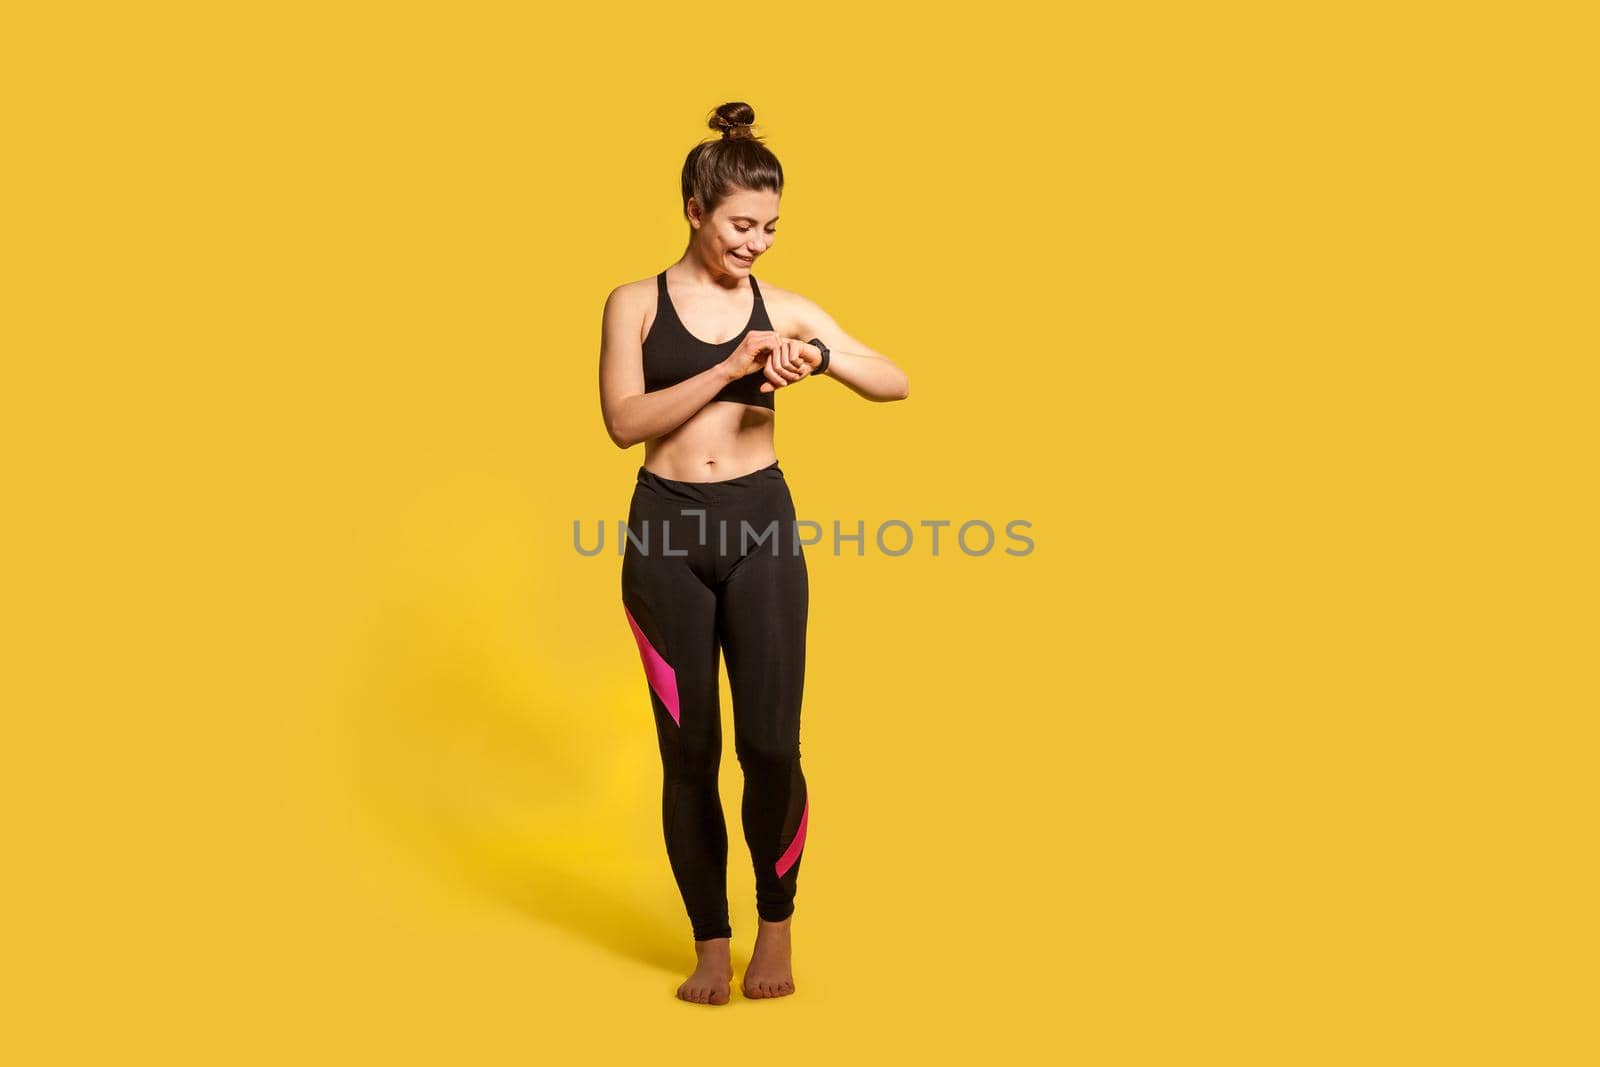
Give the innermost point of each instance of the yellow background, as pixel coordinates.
(1276, 321)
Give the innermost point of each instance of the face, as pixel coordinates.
(739, 231)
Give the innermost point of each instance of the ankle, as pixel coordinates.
(769, 932)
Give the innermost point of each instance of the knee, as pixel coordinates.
(697, 763)
(768, 756)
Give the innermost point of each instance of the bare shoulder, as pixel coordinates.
(635, 292)
(631, 305)
(777, 294)
(792, 313)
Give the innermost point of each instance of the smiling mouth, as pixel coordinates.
(742, 259)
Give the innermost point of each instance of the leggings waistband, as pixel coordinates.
(710, 490)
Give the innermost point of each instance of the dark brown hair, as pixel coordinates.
(738, 161)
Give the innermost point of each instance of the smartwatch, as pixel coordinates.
(823, 366)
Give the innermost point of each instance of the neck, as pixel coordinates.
(693, 268)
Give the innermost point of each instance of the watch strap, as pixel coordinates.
(823, 366)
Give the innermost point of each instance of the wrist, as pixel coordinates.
(824, 357)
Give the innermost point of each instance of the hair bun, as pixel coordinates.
(733, 119)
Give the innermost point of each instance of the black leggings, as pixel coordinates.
(709, 564)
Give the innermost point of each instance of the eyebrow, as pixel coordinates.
(747, 218)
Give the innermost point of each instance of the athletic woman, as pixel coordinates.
(691, 361)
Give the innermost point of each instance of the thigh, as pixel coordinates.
(761, 620)
(672, 614)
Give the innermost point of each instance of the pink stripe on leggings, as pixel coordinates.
(792, 853)
(657, 671)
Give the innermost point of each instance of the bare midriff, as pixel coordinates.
(720, 441)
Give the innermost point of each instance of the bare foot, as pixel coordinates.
(769, 973)
(712, 973)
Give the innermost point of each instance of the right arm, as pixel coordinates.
(633, 415)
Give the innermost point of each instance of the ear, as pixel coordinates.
(692, 210)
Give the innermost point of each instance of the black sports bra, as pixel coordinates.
(672, 354)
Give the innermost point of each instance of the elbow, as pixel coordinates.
(620, 435)
(622, 424)
(903, 392)
(618, 425)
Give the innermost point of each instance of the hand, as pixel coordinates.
(789, 361)
(751, 355)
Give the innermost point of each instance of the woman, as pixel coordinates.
(690, 364)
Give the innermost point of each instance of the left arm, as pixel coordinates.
(868, 373)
